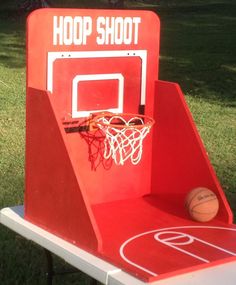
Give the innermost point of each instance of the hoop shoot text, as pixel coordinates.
(76, 30)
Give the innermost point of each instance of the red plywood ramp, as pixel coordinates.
(153, 238)
(49, 175)
(180, 161)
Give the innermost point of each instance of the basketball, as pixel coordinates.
(202, 204)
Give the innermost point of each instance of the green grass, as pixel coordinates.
(197, 50)
(12, 115)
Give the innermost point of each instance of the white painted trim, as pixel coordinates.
(90, 77)
(142, 54)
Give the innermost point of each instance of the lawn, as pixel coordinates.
(197, 50)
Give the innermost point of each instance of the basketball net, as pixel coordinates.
(124, 135)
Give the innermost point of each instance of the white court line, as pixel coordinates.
(122, 248)
(173, 245)
(135, 264)
(191, 240)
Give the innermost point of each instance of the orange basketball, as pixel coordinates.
(202, 204)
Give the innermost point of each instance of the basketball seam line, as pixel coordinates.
(188, 203)
(196, 212)
(201, 203)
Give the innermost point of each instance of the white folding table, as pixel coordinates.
(100, 270)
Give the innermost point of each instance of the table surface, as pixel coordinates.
(104, 272)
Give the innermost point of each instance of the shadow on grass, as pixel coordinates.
(198, 49)
(17, 263)
(24, 262)
(12, 39)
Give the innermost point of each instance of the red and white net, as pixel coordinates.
(124, 135)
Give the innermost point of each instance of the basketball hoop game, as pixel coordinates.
(112, 152)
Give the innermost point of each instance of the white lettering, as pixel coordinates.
(57, 30)
(128, 30)
(68, 31)
(71, 30)
(87, 29)
(117, 30)
(78, 31)
(101, 31)
(136, 21)
(109, 30)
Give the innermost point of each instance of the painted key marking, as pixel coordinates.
(170, 241)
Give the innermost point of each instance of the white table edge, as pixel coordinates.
(99, 269)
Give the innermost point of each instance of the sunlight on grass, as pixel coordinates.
(12, 115)
(12, 129)
(231, 68)
(216, 125)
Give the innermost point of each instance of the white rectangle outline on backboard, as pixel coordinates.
(90, 77)
(52, 56)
